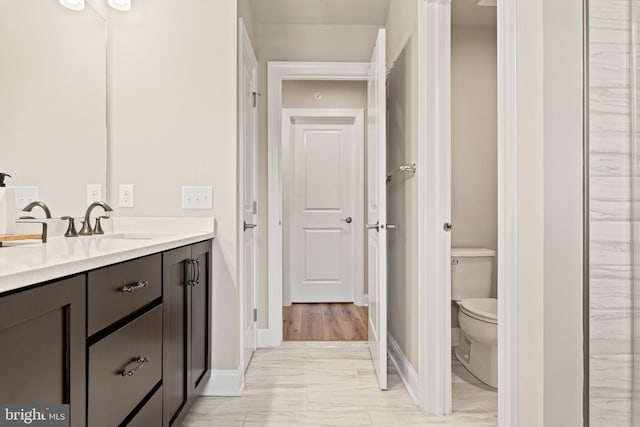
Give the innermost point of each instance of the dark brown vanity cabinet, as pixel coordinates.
(186, 333)
(128, 344)
(42, 347)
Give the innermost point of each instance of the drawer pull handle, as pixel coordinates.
(130, 288)
(197, 282)
(141, 361)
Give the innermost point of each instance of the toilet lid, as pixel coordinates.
(485, 308)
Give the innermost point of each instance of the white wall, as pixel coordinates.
(530, 217)
(402, 52)
(173, 119)
(52, 101)
(563, 149)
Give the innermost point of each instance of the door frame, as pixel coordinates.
(434, 58)
(323, 115)
(244, 42)
(277, 72)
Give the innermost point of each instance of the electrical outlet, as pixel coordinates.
(26, 195)
(125, 196)
(94, 193)
(197, 197)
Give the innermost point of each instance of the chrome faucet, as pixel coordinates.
(86, 226)
(32, 205)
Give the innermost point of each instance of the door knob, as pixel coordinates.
(246, 226)
(375, 226)
(348, 220)
(447, 226)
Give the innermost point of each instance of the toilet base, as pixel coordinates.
(483, 366)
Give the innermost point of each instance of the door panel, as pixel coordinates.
(377, 209)
(322, 242)
(247, 96)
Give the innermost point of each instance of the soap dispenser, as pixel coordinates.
(7, 208)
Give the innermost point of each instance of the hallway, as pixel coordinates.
(324, 322)
(308, 384)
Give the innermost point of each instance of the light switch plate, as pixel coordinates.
(25, 195)
(125, 196)
(94, 193)
(197, 197)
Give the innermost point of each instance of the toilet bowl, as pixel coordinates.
(478, 349)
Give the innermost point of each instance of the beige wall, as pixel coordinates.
(530, 216)
(402, 208)
(173, 123)
(474, 151)
(301, 94)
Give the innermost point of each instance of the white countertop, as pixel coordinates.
(31, 262)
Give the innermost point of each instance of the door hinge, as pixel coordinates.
(255, 314)
(255, 98)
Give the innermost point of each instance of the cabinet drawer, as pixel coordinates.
(116, 291)
(151, 413)
(112, 394)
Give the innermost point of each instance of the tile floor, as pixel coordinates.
(334, 384)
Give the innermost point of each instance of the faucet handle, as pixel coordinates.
(71, 229)
(97, 229)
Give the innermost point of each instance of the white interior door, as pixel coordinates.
(377, 209)
(248, 191)
(323, 211)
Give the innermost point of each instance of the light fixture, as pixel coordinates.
(73, 4)
(121, 5)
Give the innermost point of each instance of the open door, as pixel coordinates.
(247, 93)
(377, 208)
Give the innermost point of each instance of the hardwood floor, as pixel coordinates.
(324, 322)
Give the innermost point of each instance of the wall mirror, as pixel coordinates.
(53, 82)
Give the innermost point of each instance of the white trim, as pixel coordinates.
(507, 217)
(268, 339)
(406, 372)
(224, 382)
(276, 73)
(434, 206)
(244, 48)
(364, 302)
(353, 116)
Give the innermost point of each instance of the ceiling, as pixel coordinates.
(465, 13)
(320, 12)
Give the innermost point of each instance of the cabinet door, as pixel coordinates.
(174, 289)
(42, 337)
(199, 319)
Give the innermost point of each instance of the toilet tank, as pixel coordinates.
(471, 273)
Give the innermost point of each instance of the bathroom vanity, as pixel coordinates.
(117, 326)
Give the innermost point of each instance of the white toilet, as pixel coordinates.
(471, 274)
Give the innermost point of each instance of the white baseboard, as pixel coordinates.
(268, 339)
(455, 337)
(407, 373)
(224, 382)
(362, 301)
